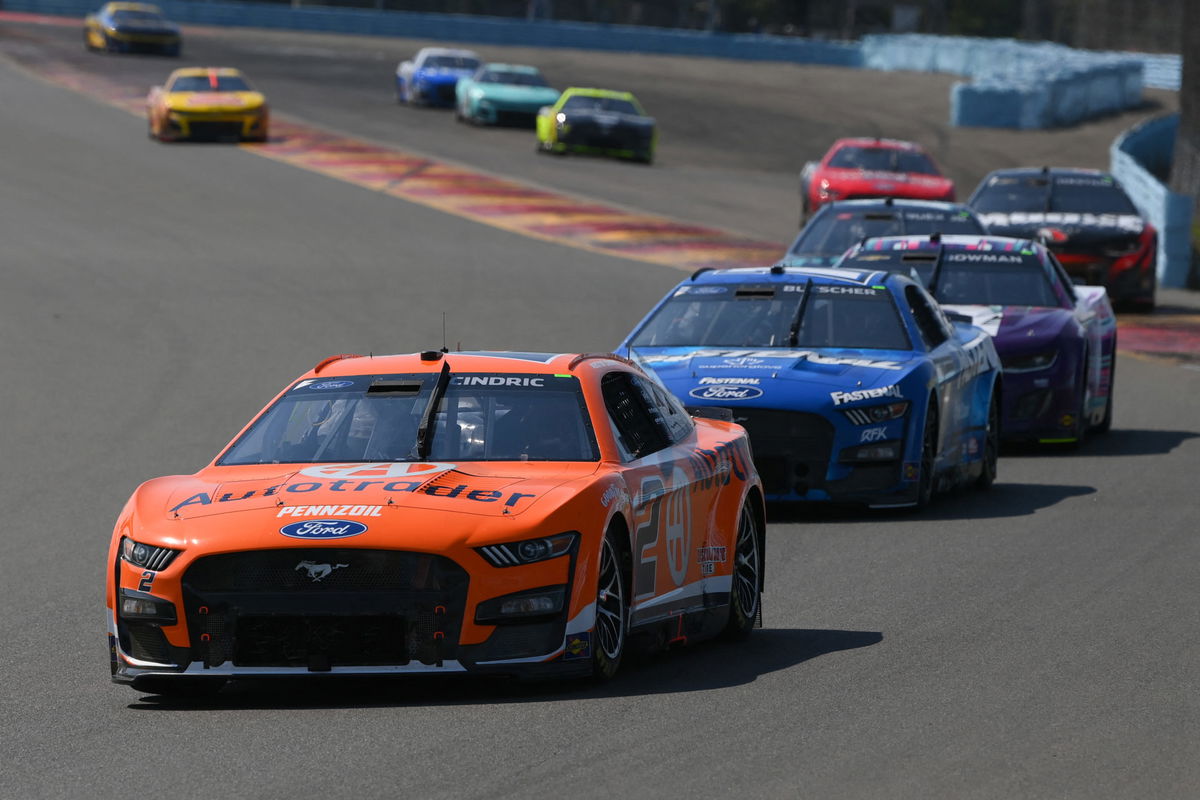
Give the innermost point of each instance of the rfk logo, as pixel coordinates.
(317, 571)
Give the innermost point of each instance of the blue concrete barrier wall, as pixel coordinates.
(1015, 84)
(1136, 156)
(485, 30)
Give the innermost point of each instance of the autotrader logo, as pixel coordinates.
(323, 529)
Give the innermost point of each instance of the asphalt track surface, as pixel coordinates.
(1040, 640)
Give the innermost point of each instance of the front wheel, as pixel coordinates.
(991, 446)
(612, 611)
(1106, 424)
(928, 455)
(745, 596)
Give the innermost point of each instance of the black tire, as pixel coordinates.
(188, 688)
(928, 455)
(991, 445)
(1106, 424)
(612, 609)
(1081, 418)
(745, 596)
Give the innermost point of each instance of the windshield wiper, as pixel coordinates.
(424, 435)
(794, 330)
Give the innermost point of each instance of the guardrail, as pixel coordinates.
(1138, 156)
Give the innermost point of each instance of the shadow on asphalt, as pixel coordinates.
(1001, 501)
(1117, 442)
(701, 667)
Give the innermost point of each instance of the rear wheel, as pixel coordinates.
(612, 611)
(991, 445)
(745, 595)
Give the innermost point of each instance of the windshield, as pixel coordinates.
(883, 159)
(512, 77)
(832, 233)
(450, 62)
(138, 18)
(206, 83)
(369, 418)
(581, 102)
(1094, 194)
(776, 316)
(993, 279)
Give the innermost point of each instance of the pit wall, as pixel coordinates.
(1013, 84)
(1137, 156)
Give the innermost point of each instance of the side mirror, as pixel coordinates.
(955, 316)
(710, 412)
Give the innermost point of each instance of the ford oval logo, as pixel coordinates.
(323, 529)
(726, 392)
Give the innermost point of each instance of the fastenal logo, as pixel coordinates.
(323, 529)
(725, 392)
(385, 469)
(841, 398)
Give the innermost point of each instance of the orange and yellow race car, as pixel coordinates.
(131, 28)
(207, 103)
(514, 513)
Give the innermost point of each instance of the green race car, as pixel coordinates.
(597, 121)
(502, 94)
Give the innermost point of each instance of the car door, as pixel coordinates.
(672, 507)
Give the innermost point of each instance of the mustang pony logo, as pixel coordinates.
(316, 571)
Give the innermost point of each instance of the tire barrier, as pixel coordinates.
(1140, 159)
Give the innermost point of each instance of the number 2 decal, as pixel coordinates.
(146, 582)
(645, 535)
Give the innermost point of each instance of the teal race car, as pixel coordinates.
(503, 94)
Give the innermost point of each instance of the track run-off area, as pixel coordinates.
(1037, 640)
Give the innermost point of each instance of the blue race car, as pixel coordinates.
(431, 77)
(838, 226)
(854, 386)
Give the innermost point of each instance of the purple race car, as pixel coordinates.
(1057, 341)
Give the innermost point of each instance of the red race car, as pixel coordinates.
(857, 168)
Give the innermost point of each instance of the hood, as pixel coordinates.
(215, 101)
(810, 259)
(608, 117)
(1018, 329)
(514, 93)
(356, 490)
(443, 74)
(1062, 229)
(881, 181)
(768, 376)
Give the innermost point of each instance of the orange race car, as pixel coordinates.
(514, 513)
(207, 103)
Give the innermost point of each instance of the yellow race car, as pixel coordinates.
(205, 104)
(131, 28)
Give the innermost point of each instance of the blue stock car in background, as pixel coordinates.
(431, 77)
(854, 386)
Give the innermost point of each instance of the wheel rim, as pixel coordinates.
(610, 604)
(746, 566)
